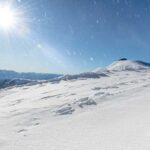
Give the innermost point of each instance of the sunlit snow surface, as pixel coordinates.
(109, 113)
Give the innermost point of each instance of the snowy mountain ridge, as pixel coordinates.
(125, 64)
(6, 83)
(122, 65)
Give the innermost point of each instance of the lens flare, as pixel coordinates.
(13, 19)
(8, 17)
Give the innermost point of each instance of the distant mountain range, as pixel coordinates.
(4, 83)
(8, 74)
(10, 78)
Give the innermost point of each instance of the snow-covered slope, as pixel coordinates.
(109, 113)
(123, 64)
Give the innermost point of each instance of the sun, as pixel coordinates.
(8, 17)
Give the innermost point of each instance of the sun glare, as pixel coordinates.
(13, 19)
(8, 18)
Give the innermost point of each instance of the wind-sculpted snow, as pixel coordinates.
(109, 113)
(70, 108)
(83, 102)
(63, 110)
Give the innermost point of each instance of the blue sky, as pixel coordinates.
(72, 36)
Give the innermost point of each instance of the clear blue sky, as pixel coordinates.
(72, 36)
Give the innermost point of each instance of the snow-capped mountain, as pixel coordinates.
(109, 111)
(124, 65)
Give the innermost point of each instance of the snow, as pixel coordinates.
(122, 65)
(109, 113)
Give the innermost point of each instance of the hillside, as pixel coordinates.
(109, 112)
